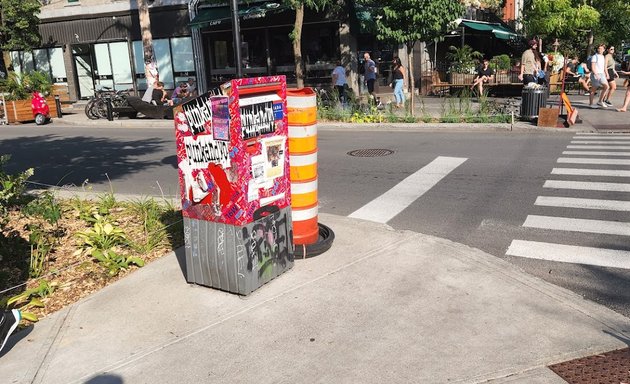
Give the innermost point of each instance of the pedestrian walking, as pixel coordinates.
(151, 74)
(370, 75)
(398, 82)
(612, 75)
(339, 81)
(599, 77)
(626, 100)
(528, 64)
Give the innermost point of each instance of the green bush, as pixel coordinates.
(502, 62)
(19, 86)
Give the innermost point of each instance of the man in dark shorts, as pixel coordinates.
(370, 74)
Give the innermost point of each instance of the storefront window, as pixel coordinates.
(121, 68)
(253, 49)
(163, 56)
(28, 65)
(280, 47)
(320, 43)
(40, 57)
(183, 59)
(58, 69)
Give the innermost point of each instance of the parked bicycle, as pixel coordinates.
(96, 108)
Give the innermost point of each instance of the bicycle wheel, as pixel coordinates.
(100, 109)
(89, 110)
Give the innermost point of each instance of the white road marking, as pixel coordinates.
(603, 137)
(579, 160)
(578, 225)
(587, 185)
(596, 153)
(598, 146)
(391, 203)
(597, 134)
(575, 202)
(590, 172)
(599, 142)
(602, 257)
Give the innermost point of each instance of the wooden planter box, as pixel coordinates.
(19, 111)
(462, 78)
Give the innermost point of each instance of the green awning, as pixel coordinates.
(214, 16)
(497, 29)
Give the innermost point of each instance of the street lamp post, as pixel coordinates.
(236, 31)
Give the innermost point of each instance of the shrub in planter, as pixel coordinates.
(502, 62)
(464, 59)
(19, 86)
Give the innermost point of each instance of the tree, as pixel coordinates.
(409, 21)
(573, 22)
(147, 37)
(296, 34)
(19, 26)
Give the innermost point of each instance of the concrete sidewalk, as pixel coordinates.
(381, 306)
(592, 119)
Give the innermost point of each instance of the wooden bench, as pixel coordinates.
(440, 87)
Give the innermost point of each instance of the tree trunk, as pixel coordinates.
(410, 76)
(589, 47)
(297, 45)
(147, 37)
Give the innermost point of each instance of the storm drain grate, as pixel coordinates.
(370, 152)
(609, 367)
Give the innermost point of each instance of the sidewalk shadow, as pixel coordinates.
(60, 160)
(15, 339)
(180, 253)
(105, 379)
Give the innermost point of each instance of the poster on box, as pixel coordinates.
(257, 115)
(273, 149)
(220, 118)
(231, 152)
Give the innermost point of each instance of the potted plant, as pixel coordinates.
(464, 63)
(18, 89)
(501, 64)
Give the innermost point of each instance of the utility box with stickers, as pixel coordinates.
(233, 162)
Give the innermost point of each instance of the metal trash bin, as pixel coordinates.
(532, 100)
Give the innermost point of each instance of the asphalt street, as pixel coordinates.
(483, 202)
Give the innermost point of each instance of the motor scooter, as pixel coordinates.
(41, 110)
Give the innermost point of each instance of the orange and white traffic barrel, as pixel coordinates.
(302, 118)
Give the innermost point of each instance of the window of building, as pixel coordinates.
(174, 58)
(183, 59)
(48, 60)
(162, 51)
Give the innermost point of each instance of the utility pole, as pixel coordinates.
(236, 31)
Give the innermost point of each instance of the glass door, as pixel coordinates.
(83, 65)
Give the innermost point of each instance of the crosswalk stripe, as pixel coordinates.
(590, 172)
(596, 153)
(598, 146)
(578, 225)
(602, 257)
(575, 202)
(597, 134)
(602, 137)
(580, 160)
(587, 185)
(598, 142)
(391, 203)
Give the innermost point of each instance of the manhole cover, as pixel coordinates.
(370, 152)
(609, 367)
